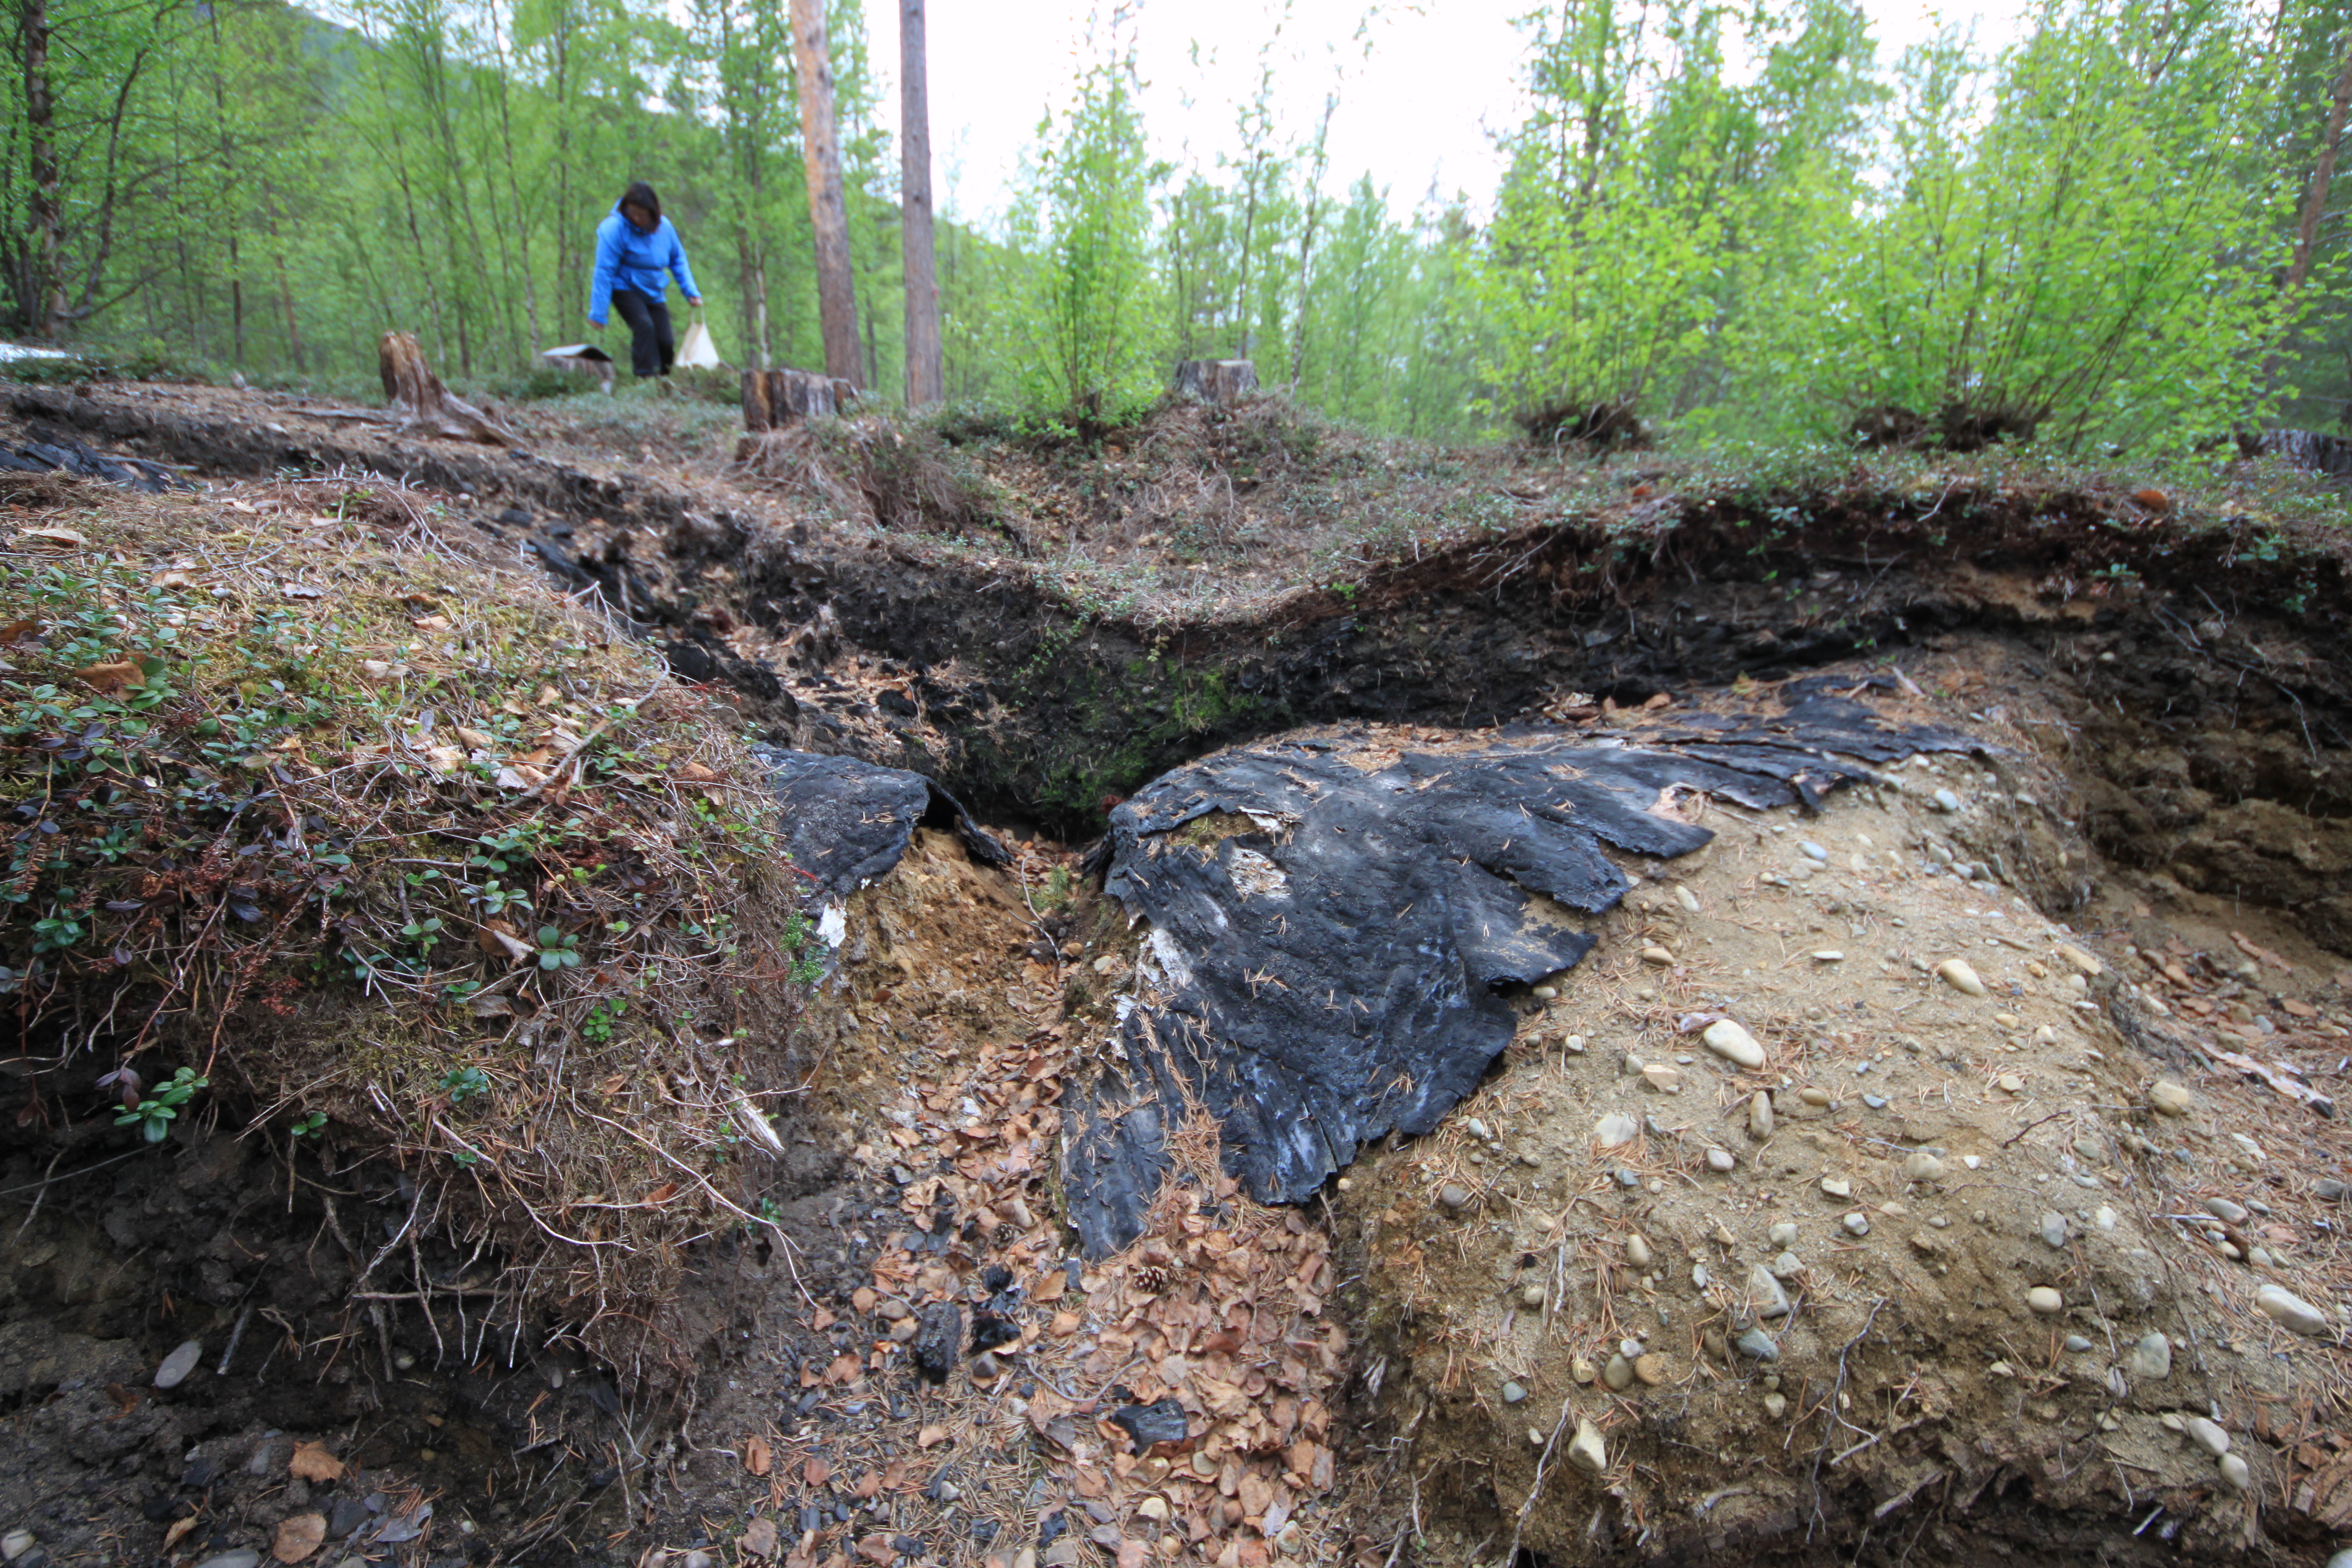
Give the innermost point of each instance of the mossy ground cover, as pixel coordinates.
(323, 822)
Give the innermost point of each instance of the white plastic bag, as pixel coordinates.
(695, 351)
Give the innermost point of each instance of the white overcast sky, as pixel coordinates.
(1416, 113)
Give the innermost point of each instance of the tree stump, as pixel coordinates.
(1221, 381)
(776, 399)
(420, 403)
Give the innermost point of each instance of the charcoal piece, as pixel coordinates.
(1161, 1421)
(939, 1341)
(1334, 921)
(988, 1332)
(201, 1471)
(995, 1277)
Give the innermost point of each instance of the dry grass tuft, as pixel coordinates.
(325, 818)
(877, 473)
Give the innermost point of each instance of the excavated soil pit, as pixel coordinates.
(1380, 1373)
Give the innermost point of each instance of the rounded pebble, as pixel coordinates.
(2044, 1302)
(1958, 973)
(1733, 1042)
(2291, 1311)
(179, 1364)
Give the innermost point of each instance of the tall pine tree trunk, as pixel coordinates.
(828, 209)
(926, 382)
(286, 294)
(2314, 200)
(229, 169)
(44, 291)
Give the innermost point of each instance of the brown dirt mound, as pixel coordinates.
(332, 829)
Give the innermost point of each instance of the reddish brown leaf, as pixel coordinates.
(758, 1457)
(313, 1463)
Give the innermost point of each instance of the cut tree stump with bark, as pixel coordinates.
(775, 399)
(420, 403)
(1224, 381)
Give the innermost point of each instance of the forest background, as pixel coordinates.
(2122, 230)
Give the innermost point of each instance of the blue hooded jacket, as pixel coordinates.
(626, 258)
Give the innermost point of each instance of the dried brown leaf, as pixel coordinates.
(298, 1537)
(313, 1463)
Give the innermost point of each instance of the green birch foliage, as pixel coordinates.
(2097, 261)
(1647, 171)
(1091, 326)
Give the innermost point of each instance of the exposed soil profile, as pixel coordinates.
(1944, 1166)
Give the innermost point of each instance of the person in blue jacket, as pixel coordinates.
(635, 246)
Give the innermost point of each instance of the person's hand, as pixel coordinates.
(695, 300)
(595, 325)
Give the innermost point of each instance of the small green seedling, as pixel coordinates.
(462, 1084)
(310, 1126)
(557, 950)
(598, 1025)
(153, 1115)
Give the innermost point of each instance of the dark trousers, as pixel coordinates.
(653, 345)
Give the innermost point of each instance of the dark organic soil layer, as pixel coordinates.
(2199, 661)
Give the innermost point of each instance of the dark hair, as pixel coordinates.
(641, 195)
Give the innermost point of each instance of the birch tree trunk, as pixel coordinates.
(828, 210)
(926, 382)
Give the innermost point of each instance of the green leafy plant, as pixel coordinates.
(154, 1114)
(602, 1018)
(462, 1084)
(557, 950)
(1091, 308)
(311, 1125)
